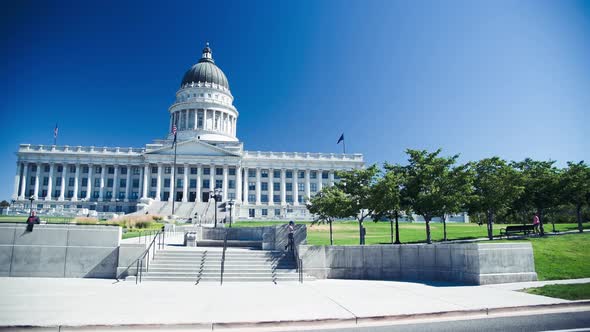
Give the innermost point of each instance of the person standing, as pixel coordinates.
(536, 223)
(31, 221)
(290, 236)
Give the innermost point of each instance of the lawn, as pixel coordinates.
(567, 292)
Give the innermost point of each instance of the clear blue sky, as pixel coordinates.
(479, 78)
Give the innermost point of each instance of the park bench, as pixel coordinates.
(510, 230)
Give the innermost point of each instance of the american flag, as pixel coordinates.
(55, 131)
(174, 133)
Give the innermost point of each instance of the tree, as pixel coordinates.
(541, 186)
(495, 188)
(4, 204)
(456, 192)
(330, 203)
(387, 198)
(428, 185)
(575, 186)
(357, 186)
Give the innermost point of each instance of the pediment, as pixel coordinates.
(193, 148)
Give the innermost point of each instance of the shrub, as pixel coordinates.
(86, 220)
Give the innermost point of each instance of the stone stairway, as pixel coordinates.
(199, 265)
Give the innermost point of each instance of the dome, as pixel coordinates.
(205, 71)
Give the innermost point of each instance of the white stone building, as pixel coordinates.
(262, 185)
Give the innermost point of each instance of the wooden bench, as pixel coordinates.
(524, 229)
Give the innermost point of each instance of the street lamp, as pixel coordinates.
(216, 195)
(32, 198)
(231, 204)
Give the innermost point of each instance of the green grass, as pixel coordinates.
(22, 219)
(566, 292)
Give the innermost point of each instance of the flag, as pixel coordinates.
(174, 133)
(340, 139)
(55, 131)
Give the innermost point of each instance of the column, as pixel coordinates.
(144, 185)
(295, 187)
(17, 181)
(196, 114)
(185, 184)
(238, 184)
(245, 198)
(212, 178)
(199, 195)
(23, 185)
(270, 186)
(171, 121)
(128, 183)
(101, 186)
(37, 176)
(225, 186)
(64, 176)
(89, 183)
(307, 184)
(319, 172)
(186, 115)
(331, 178)
(115, 183)
(159, 183)
(50, 182)
(258, 186)
(76, 179)
(283, 187)
(172, 183)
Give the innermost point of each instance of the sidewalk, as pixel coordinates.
(76, 302)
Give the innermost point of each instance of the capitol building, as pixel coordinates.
(209, 159)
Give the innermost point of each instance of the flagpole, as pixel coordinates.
(343, 146)
(174, 177)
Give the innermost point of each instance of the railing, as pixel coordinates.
(299, 263)
(223, 257)
(161, 237)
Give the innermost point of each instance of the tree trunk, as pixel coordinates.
(579, 215)
(444, 221)
(331, 237)
(542, 229)
(361, 237)
(490, 224)
(391, 229)
(428, 240)
(397, 229)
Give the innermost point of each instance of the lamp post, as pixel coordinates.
(217, 197)
(32, 199)
(231, 204)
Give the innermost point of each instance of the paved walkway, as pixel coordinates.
(74, 302)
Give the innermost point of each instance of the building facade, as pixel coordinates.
(207, 158)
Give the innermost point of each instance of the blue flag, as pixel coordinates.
(340, 139)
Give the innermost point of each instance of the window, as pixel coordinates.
(83, 193)
(32, 182)
(264, 198)
(179, 183)
(56, 193)
(121, 195)
(289, 174)
(193, 170)
(45, 181)
(108, 194)
(70, 193)
(300, 198)
(154, 170)
(231, 196)
(289, 186)
(33, 168)
(60, 169)
(289, 198)
(301, 174)
(276, 186)
(111, 170)
(122, 183)
(134, 195)
(31, 192)
(152, 194)
(58, 181)
(313, 175)
(123, 170)
(264, 212)
(313, 187)
(135, 183)
(231, 184)
(71, 181)
(206, 171)
(85, 169)
(232, 171)
(154, 182)
(205, 183)
(251, 173)
(193, 183)
(264, 173)
(301, 187)
(324, 175)
(276, 198)
(44, 193)
(47, 168)
(251, 186)
(97, 169)
(72, 169)
(251, 213)
(251, 198)
(97, 182)
(277, 212)
(85, 182)
(167, 170)
(95, 194)
(218, 171)
(135, 171)
(276, 173)
(167, 183)
(180, 170)
(264, 186)
(336, 176)
(110, 183)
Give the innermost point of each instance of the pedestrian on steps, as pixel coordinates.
(290, 236)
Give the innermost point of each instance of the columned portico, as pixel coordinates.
(64, 176)
(89, 183)
(295, 187)
(127, 184)
(238, 184)
(17, 181)
(50, 182)
(258, 184)
(23, 185)
(185, 182)
(144, 185)
(271, 186)
(37, 178)
(115, 196)
(102, 179)
(159, 183)
(76, 183)
(283, 187)
(199, 171)
(225, 186)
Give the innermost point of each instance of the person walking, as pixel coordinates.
(31, 221)
(290, 236)
(536, 223)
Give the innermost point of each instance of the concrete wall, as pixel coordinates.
(71, 251)
(272, 237)
(470, 263)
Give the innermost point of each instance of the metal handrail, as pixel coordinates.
(223, 257)
(298, 261)
(139, 261)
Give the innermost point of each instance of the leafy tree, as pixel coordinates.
(455, 192)
(496, 187)
(428, 186)
(575, 186)
(357, 186)
(330, 203)
(4, 204)
(387, 198)
(541, 186)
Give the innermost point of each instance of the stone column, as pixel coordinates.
(17, 181)
(199, 168)
(320, 185)
(128, 183)
(115, 183)
(159, 183)
(245, 198)
(23, 186)
(225, 186)
(283, 187)
(76, 184)
(144, 185)
(212, 178)
(307, 184)
(171, 121)
(331, 178)
(185, 184)
(271, 193)
(238, 184)
(258, 184)
(295, 187)
(50, 182)
(187, 112)
(196, 114)
(172, 183)
(64, 176)
(101, 187)
(89, 183)
(37, 177)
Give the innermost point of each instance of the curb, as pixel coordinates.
(307, 322)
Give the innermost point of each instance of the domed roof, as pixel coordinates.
(205, 71)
